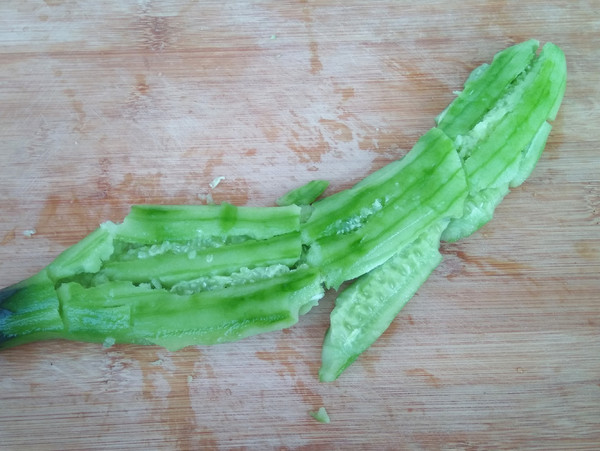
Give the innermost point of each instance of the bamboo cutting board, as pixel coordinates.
(106, 104)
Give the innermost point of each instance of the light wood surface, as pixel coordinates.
(105, 104)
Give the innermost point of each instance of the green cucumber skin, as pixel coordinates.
(303, 195)
(484, 87)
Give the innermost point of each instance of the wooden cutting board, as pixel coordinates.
(106, 104)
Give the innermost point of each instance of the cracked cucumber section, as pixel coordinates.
(170, 275)
(142, 314)
(366, 308)
(501, 149)
(386, 211)
(499, 127)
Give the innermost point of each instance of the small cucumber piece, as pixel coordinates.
(125, 313)
(29, 311)
(151, 224)
(365, 309)
(305, 194)
(171, 268)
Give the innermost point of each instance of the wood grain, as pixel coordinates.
(105, 104)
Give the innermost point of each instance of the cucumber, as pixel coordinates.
(365, 309)
(375, 221)
(502, 148)
(185, 275)
(499, 127)
(128, 313)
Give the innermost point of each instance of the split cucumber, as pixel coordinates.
(185, 275)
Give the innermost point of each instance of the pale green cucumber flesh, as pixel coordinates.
(436, 190)
(484, 87)
(365, 309)
(152, 224)
(171, 268)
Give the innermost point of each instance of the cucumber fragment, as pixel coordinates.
(86, 256)
(531, 155)
(375, 221)
(305, 194)
(145, 315)
(170, 275)
(321, 415)
(484, 87)
(171, 268)
(499, 127)
(502, 148)
(150, 224)
(479, 209)
(365, 309)
(29, 311)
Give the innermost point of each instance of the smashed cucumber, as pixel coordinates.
(185, 275)
(172, 276)
(374, 220)
(503, 146)
(126, 313)
(498, 142)
(365, 309)
(305, 194)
